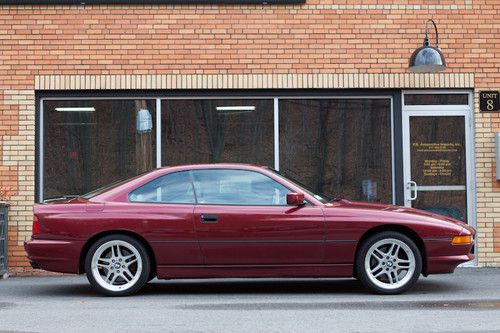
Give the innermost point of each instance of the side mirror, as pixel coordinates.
(295, 199)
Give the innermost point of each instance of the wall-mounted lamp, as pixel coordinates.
(427, 59)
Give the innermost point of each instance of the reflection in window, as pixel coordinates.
(448, 203)
(217, 130)
(238, 187)
(172, 188)
(91, 143)
(339, 147)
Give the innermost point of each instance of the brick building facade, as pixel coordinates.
(321, 47)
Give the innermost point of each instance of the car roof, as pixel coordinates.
(120, 193)
(214, 166)
(111, 193)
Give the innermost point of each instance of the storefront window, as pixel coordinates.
(91, 143)
(339, 147)
(217, 130)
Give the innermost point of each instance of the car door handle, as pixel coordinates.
(206, 218)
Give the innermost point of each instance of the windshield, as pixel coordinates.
(321, 197)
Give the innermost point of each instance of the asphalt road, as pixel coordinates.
(466, 301)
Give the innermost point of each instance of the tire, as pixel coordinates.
(117, 265)
(151, 277)
(388, 263)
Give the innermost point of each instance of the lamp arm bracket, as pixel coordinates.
(426, 40)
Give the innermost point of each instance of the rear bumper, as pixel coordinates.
(54, 255)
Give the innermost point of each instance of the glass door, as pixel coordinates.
(438, 160)
(438, 177)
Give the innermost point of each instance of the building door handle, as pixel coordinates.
(206, 218)
(413, 187)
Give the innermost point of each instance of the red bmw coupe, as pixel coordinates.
(231, 220)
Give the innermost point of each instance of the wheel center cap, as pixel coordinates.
(117, 265)
(389, 264)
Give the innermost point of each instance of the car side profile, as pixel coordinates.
(233, 220)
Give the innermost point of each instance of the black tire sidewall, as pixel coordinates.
(360, 262)
(146, 265)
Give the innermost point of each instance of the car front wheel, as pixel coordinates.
(388, 263)
(117, 265)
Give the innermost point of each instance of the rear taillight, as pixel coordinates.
(37, 229)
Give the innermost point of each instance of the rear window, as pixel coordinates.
(108, 187)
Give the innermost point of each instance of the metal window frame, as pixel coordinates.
(276, 96)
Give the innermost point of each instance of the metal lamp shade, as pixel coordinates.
(427, 59)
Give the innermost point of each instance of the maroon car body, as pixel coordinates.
(316, 239)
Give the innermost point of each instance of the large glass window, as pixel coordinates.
(217, 130)
(339, 147)
(237, 187)
(336, 147)
(91, 143)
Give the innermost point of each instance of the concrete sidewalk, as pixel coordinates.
(466, 301)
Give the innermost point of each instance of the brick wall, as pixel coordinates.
(344, 38)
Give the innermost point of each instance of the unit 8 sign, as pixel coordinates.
(489, 101)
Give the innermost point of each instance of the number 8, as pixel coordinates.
(489, 104)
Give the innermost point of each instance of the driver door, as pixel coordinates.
(241, 218)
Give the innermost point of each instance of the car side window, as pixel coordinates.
(238, 187)
(171, 188)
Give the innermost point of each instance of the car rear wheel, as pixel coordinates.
(117, 265)
(388, 263)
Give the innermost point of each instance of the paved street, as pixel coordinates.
(468, 300)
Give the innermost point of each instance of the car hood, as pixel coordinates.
(381, 211)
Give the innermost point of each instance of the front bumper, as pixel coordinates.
(446, 264)
(444, 257)
(54, 255)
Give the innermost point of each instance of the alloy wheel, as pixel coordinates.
(116, 265)
(390, 264)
